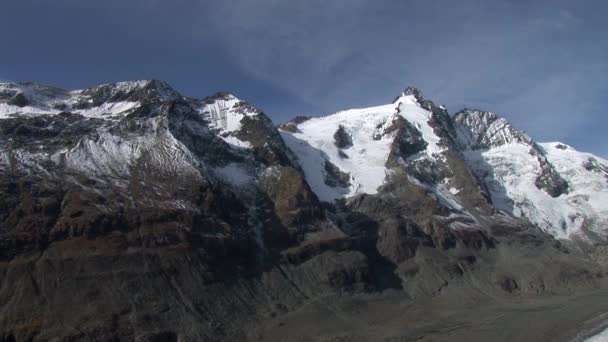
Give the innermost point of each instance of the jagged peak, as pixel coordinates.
(220, 95)
(410, 91)
(477, 113)
(483, 129)
(141, 89)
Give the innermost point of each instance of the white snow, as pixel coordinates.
(366, 158)
(453, 191)
(314, 143)
(220, 114)
(223, 117)
(419, 117)
(234, 141)
(111, 155)
(6, 110)
(44, 100)
(510, 172)
(235, 174)
(108, 109)
(588, 189)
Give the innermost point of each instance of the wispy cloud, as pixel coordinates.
(540, 63)
(529, 61)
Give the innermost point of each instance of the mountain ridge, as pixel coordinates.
(133, 212)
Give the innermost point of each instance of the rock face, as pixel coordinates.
(130, 212)
(342, 139)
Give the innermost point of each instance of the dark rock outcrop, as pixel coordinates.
(18, 100)
(549, 180)
(342, 139)
(408, 141)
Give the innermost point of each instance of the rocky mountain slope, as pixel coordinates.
(131, 212)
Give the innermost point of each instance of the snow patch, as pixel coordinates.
(7, 111)
(234, 174)
(108, 109)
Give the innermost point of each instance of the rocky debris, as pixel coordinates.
(342, 139)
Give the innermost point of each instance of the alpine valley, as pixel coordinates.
(129, 212)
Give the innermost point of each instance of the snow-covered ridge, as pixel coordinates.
(108, 101)
(364, 160)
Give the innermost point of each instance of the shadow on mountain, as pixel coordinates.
(487, 179)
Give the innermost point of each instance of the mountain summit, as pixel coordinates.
(131, 212)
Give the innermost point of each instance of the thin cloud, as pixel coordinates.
(506, 56)
(535, 62)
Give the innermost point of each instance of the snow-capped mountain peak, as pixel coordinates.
(375, 136)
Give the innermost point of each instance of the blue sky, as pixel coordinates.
(541, 64)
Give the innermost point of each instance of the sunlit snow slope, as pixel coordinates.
(514, 169)
(364, 160)
(563, 191)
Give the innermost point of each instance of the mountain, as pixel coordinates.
(560, 190)
(131, 212)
